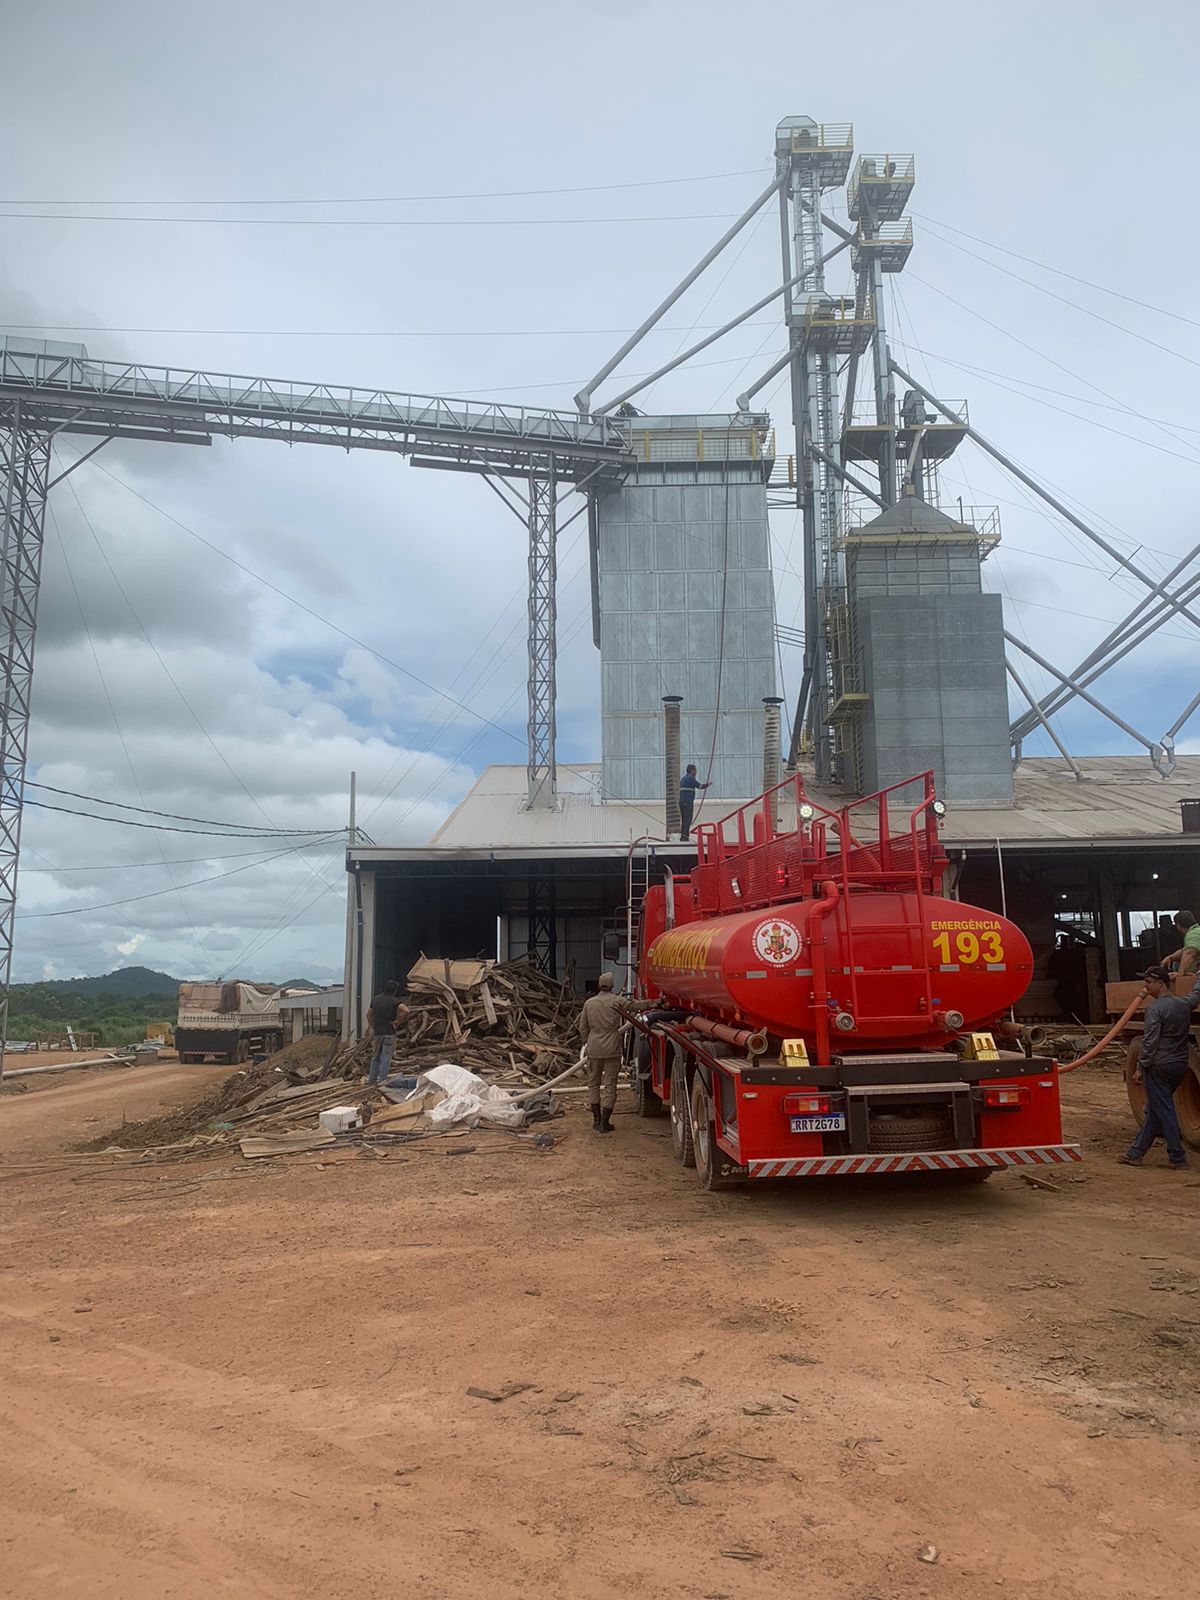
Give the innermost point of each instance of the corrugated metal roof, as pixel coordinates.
(1121, 799)
(492, 814)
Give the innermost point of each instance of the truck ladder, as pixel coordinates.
(637, 881)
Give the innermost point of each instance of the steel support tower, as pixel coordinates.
(24, 478)
(543, 613)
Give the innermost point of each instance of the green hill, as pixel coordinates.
(121, 981)
(115, 1006)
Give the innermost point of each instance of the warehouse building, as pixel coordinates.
(1082, 867)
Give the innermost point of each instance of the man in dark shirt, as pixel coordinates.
(1162, 1066)
(688, 785)
(381, 1019)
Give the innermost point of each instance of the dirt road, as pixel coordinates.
(251, 1379)
(41, 1114)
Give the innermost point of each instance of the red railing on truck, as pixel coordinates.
(764, 865)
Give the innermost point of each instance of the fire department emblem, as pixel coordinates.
(776, 942)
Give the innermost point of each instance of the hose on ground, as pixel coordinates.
(532, 1094)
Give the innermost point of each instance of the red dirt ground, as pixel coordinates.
(250, 1379)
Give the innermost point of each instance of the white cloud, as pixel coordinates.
(131, 945)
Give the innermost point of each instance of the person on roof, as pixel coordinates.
(1162, 1066)
(688, 786)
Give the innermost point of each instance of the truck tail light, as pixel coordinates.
(806, 1105)
(1000, 1098)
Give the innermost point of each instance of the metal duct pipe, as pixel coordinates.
(772, 752)
(1014, 1033)
(671, 705)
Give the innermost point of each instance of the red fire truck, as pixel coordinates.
(807, 1002)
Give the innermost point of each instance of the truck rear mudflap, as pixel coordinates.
(914, 1161)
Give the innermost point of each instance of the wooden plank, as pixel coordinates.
(485, 994)
(253, 1146)
(389, 1116)
(298, 1091)
(462, 974)
(1118, 995)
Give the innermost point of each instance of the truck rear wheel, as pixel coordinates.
(645, 1102)
(682, 1143)
(1187, 1096)
(710, 1158)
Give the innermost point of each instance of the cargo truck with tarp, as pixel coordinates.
(231, 1021)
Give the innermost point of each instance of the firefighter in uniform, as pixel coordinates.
(600, 1024)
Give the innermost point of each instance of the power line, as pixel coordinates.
(368, 333)
(405, 199)
(260, 942)
(308, 610)
(487, 722)
(988, 244)
(173, 861)
(1074, 304)
(1084, 616)
(166, 827)
(264, 937)
(1090, 421)
(365, 222)
(720, 284)
(487, 672)
(724, 361)
(170, 676)
(1026, 383)
(112, 710)
(1077, 376)
(1038, 507)
(174, 816)
(152, 894)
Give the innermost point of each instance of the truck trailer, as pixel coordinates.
(231, 1021)
(808, 1001)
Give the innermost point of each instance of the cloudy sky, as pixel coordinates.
(481, 200)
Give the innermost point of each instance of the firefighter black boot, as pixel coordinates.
(605, 1123)
(596, 1124)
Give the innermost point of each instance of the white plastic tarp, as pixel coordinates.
(468, 1099)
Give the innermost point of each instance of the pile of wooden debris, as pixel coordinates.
(494, 1018)
(503, 1021)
